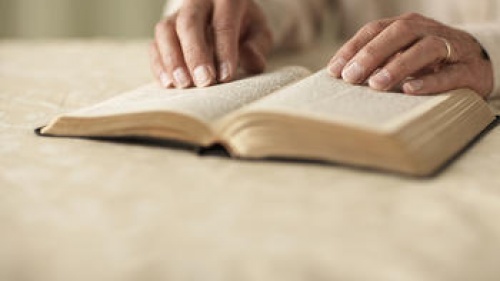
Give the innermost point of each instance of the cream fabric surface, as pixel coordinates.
(74, 209)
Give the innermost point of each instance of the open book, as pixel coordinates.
(291, 113)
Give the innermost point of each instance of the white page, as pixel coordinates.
(323, 97)
(205, 104)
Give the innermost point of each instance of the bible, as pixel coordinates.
(291, 113)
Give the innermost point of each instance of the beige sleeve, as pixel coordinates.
(293, 23)
(488, 34)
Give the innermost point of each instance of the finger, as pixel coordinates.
(354, 45)
(170, 53)
(192, 34)
(395, 38)
(424, 53)
(255, 48)
(449, 78)
(157, 67)
(226, 30)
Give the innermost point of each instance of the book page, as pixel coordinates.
(322, 97)
(206, 104)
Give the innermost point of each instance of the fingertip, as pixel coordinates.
(354, 73)
(225, 72)
(165, 80)
(181, 78)
(336, 66)
(381, 80)
(413, 87)
(203, 76)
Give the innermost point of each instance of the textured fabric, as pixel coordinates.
(79, 210)
(294, 22)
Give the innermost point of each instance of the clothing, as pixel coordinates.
(296, 23)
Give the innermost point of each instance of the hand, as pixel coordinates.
(205, 40)
(418, 54)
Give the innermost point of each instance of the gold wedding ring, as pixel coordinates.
(448, 50)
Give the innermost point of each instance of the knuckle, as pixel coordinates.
(411, 15)
(423, 46)
(403, 27)
(164, 26)
(433, 44)
(169, 22)
(187, 21)
(373, 28)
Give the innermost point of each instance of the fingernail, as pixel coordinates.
(224, 70)
(181, 78)
(165, 80)
(202, 77)
(413, 86)
(353, 73)
(381, 80)
(336, 67)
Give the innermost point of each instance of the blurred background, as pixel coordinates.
(78, 18)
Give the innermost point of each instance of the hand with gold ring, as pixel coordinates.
(415, 54)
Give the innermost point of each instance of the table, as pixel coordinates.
(73, 209)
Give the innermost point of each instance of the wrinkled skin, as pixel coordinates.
(409, 52)
(205, 41)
